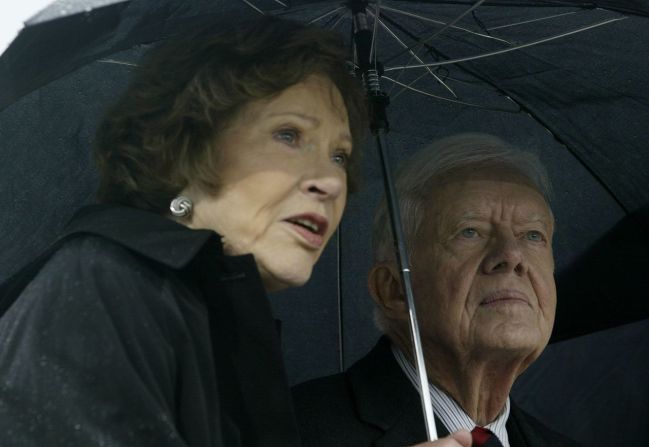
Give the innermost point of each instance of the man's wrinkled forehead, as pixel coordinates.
(484, 171)
(498, 173)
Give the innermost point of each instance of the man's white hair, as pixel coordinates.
(415, 178)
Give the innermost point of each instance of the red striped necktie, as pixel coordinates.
(483, 437)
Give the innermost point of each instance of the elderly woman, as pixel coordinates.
(224, 172)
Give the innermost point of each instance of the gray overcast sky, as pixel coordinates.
(12, 16)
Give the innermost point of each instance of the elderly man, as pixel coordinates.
(479, 230)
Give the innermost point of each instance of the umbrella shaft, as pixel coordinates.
(404, 265)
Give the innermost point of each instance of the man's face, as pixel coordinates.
(482, 267)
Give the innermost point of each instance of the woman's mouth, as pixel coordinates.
(311, 227)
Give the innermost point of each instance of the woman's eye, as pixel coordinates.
(469, 233)
(340, 158)
(535, 236)
(288, 136)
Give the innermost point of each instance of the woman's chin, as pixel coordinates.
(276, 278)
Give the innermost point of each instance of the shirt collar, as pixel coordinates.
(148, 234)
(447, 409)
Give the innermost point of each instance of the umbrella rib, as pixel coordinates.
(280, 2)
(412, 36)
(524, 22)
(253, 7)
(396, 82)
(425, 42)
(420, 43)
(507, 50)
(410, 87)
(326, 14)
(338, 20)
(439, 22)
(403, 44)
(451, 23)
(374, 30)
(539, 120)
(116, 62)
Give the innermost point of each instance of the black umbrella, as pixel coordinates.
(579, 101)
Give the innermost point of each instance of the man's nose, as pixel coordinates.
(505, 256)
(323, 182)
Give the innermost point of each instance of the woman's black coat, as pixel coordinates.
(137, 331)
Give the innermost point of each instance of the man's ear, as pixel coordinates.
(384, 283)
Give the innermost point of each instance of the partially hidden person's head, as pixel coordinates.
(259, 126)
(479, 229)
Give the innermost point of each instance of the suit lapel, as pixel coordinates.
(519, 431)
(516, 438)
(386, 399)
(409, 432)
(524, 430)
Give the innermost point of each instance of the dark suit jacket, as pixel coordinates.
(374, 404)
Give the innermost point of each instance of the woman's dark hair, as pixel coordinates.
(160, 136)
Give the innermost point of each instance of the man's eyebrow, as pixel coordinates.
(546, 221)
(537, 217)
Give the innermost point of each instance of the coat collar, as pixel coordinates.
(150, 235)
(386, 398)
(242, 329)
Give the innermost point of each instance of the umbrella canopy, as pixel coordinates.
(580, 102)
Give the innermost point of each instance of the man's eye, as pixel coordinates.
(535, 236)
(288, 136)
(469, 232)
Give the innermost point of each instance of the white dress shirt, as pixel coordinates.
(447, 410)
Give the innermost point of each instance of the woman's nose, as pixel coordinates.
(505, 256)
(323, 184)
